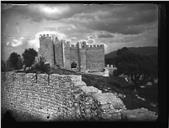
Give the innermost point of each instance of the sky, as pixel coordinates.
(114, 25)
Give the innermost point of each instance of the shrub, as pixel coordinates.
(41, 66)
(29, 57)
(14, 61)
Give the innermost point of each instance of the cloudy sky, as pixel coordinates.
(115, 25)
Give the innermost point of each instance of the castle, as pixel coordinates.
(81, 56)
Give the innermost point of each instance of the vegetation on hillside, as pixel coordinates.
(136, 50)
(140, 68)
(14, 62)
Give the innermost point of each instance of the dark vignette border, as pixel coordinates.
(162, 61)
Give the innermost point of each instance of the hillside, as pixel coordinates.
(137, 50)
(117, 86)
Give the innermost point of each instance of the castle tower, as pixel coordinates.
(95, 57)
(58, 46)
(78, 56)
(82, 55)
(46, 48)
(66, 48)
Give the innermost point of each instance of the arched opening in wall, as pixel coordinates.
(73, 65)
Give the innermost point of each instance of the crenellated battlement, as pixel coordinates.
(48, 36)
(81, 44)
(63, 52)
(86, 46)
(95, 46)
(109, 66)
(67, 43)
(45, 36)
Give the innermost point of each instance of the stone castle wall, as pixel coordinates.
(74, 55)
(46, 49)
(87, 57)
(57, 97)
(95, 58)
(58, 54)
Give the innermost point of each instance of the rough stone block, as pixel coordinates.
(19, 76)
(111, 116)
(54, 80)
(90, 90)
(105, 107)
(79, 84)
(30, 78)
(10, 77)
(109, 98)
(35, 87)
(64, 78)
(89, 107)
(141, 114)
(42, 79)
(76, 78)
(63, 85)
(19, 79)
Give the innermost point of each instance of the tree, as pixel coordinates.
(29, 57)
(19, 62)
(41, 66)
(139, 68)
(122, 51)
(14, 61)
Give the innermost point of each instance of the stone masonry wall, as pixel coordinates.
(46, 49)
(59, 52)
(57, 97)
(95, 58)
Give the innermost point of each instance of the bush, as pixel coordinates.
(41, 67)
(14, 61)
(29, 57)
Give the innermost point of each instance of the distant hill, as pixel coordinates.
(137, 50)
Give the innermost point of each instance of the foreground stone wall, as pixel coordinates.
(58, 97)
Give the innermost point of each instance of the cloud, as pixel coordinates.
(115, 25)
(91, 41)
(34, 43)
(147, 38)
(104, 35)
(122, 19)
(49, 10)
(39, 12)
(16, 42)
